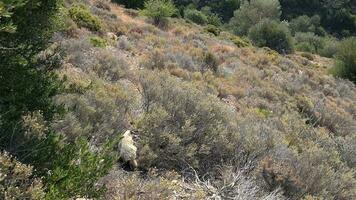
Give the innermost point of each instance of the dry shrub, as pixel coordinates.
(17, 181)
(182, 125)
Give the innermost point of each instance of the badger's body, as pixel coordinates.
(128, 149)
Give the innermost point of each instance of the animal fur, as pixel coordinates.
(128, 150)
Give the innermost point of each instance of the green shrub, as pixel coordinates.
(159, 10)
(84, 18)
(213, 29)
(239, 42)
(345, 66)
(307, 24)
(272, 34)
(308, 42)
(213, 18)
(76, 169)
(196, 16)
(252, 12)
(330, 47)
(307, 55)
(98, 41)
(305, 47)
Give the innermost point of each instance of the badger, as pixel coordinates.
(127, 150)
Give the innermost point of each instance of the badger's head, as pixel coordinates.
(128, 134)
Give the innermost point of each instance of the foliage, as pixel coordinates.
(6, 12)
(211, 62)
(308, 42)
(181, 128)
(98, 42)
(131, 3)
(252, 12)
(17, 180)
(213, 29)
(159, 10)
(82, 16)
(196, 16)
(346, 60)
(222, 8)
(213, 18)
(307, 24)
(273, 35)
(337, 16)
(76, 169)
(27, 85)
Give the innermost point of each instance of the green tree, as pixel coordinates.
(252, 12)
(25, 85)
(28, 84)
(337, 16)
(272, 34)
(159, 11)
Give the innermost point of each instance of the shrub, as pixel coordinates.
(84, 18)
(307, 24)
(213, 29)
(346, 60)
(17, 181)
(239, 42)
(211, 62)
(98, 41)
(159, 10)
(76, 169)
(308, 42)
(182, 123)
(330, 47)
(196, 16)
(252, 12)
(272, 34)
(213, 18)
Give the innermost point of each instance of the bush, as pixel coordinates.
(181, 123)
(213, 18)
(308, 42)
(346, 60)
(272, 34)
(159, 10)
(98, 42)
(211, 62)
(307, 24)
(17, 181)
(84, 18)
(196, 16)
(330, 47)
(252, 12)
(213, 29)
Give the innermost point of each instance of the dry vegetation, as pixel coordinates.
(202, 103)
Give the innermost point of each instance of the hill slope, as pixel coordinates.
(214, 116)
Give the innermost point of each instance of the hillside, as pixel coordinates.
(213, 117)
